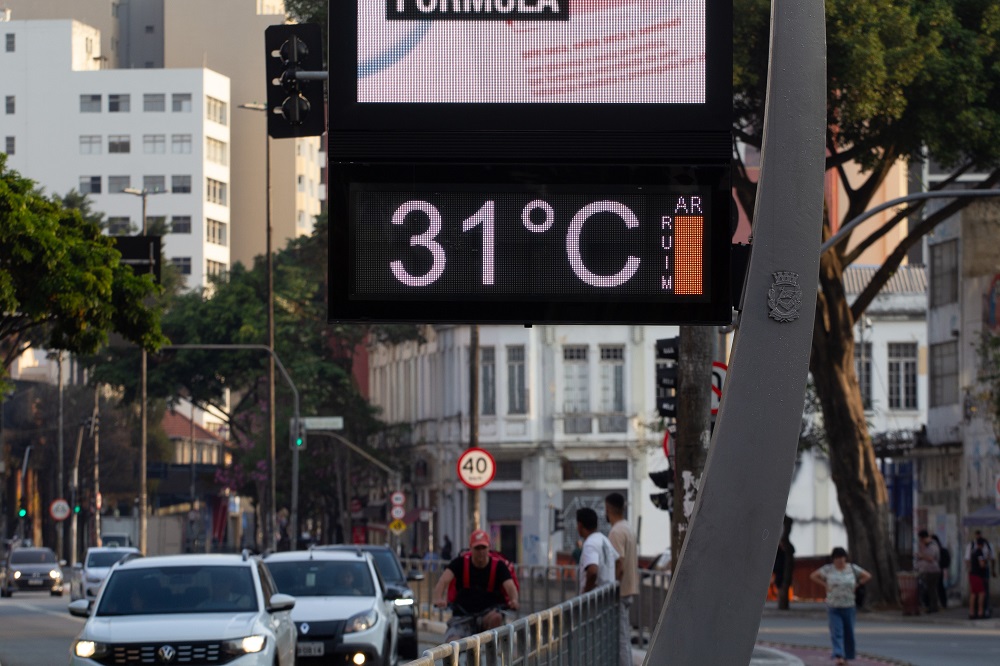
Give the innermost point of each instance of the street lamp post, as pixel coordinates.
(144, 193)
(270, 533)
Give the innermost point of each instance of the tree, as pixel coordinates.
(62, 284)
(906, 78)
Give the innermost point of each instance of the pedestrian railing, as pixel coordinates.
(544, 587)
(580, 632)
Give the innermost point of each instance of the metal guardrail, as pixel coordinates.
(579, 632)
(545, 587)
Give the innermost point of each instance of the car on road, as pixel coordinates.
(32, 569)
(186, 609)
(89, 574)
(391, 570)
(344, 611)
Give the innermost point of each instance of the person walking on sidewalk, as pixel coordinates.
(841, 580)
(626, 571)
(979, 571)
(597, 558)
(927, 565)
(988, 554)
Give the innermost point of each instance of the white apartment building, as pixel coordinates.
(68, 125)
(568, 413)
(225, 36)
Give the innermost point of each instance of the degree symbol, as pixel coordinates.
(538, 204)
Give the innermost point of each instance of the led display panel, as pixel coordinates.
(532, 245)
(531, 51)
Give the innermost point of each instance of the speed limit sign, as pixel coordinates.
(476, 468)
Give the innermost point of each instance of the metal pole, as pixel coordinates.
(474, 494)
(713, 606)
(61, 527)
(95, 429)
(74, 488)
(293, 519)
(271, 453)
(143, 416)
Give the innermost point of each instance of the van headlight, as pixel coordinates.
(90, 650)
(55, 574)
(247, 645)
(361, 621)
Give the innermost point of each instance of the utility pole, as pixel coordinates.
(61, 527)
(74, 496)
(95, 432)
(474, 494)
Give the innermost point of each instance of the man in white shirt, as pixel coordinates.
(597, 559)
(622, 537)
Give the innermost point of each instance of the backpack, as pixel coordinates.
(944, 559)
(495, 558)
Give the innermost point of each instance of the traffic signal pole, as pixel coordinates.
(712, 611)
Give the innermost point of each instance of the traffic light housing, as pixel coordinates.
(298, 436)
(668, 349)
(22, 512)
(557, 520)
(662, 501)
(663, 479)
(295, 106)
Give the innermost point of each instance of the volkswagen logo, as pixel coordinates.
(166, 654)
(304, 627)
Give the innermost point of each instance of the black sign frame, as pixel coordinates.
(595, 306)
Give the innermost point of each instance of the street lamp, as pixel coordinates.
(144, 193)
(270, 532)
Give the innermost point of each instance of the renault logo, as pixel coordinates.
(166, 654)
(304, 627)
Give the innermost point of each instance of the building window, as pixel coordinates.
(154, 183)
(90, 144)
(180, 184)
(90, 184)
(944, 374)
(576, 390)
(154, 102)
(180, 224)
(300, 219)
(503, 505)
(508, 470)
(119, 226)
(183, 264)
(595, 470)
(118, 103)
(10, 104)
(181, 102)
(154, 144)
(488, 378)
(517, 390)
(215, 151)
(119, 143)
(118, 184)
(216, 192)
(90, 103)
(149, 30)
(215, 268)
(301, 180)
(216, 232)
(10, 144)
(11, 41)
(863, 368)
(902, 375)
(216, 110)
(180, 143)
(944, 273)
(612, 370)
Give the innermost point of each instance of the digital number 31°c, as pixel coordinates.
(485, 217)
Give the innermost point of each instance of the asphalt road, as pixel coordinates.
(36, 629)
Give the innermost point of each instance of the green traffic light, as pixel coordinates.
(22, 513)
(76, 509)
(298, 441)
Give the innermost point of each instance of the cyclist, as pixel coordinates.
(483, 585)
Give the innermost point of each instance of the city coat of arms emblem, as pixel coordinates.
(784, 297)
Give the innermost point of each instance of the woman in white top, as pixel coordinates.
(841, 580)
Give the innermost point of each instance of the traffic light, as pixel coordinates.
(557, 520)
(298, 436)
(22, 512)
(296, 105)
(667, 376)
(663, 479)
(76, 508)
(662, 501)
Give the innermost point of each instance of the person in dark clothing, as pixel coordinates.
(478, 595)
(446, 549)
(942, 593)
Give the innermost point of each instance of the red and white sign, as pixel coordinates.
(476, 468)
(397, 498)
(397, 512)
(59, 509)
(719, 370)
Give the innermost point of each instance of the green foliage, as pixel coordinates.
(62, 285)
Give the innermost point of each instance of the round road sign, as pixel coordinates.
(397, 512)
(397, 498)
(476, 468)
(719, 371)
(59, 509)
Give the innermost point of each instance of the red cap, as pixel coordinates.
(479, 538)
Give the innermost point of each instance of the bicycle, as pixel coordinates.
(462, 624)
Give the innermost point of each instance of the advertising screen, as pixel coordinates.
(531, 51)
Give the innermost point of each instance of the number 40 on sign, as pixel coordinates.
(476, 468)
